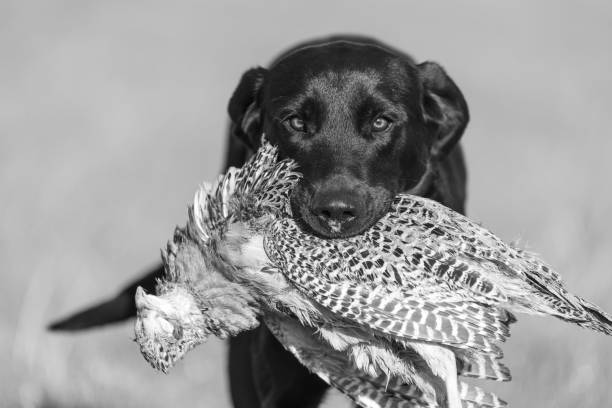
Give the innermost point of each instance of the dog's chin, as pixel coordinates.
(314, 225)
(343, 230)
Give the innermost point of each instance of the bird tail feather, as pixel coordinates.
(472, 394)
(598, 319)
(481, 366)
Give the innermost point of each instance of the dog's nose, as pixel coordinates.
(335, 210)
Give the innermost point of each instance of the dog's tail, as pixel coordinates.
(114, 310)
(122, 306)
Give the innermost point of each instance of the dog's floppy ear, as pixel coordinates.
(244, 107)
(443, 107)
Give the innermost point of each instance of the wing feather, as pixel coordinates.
(365, 390)
(442, 318)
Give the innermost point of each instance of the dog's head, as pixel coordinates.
(363, 122)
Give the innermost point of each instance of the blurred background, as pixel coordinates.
(112, 112)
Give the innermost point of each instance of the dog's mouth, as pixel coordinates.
(339, 222)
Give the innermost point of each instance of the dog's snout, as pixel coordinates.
(335, 209)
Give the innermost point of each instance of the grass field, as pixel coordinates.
(112, 112)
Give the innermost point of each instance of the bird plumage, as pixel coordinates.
(423, 287)
(197, 299)
(366, 390)
(193, 301)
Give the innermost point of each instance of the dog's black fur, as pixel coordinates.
(364, 122)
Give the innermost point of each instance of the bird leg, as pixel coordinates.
(443, 364)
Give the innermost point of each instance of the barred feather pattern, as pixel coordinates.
(455, 250)
(481, 365)
(437, 315)
(262, 186)
(425, 248)
(365, 390)
(421, 273)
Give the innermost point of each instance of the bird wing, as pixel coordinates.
(334, 368)
(441, 228)
(365, 390)
(454, 249)
(316, 268)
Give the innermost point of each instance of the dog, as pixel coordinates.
(364, 122)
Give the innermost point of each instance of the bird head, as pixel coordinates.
(168, 326)
(195, 299)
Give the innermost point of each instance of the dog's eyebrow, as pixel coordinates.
(377, 104)
(306, 109)
(279, 98)
(286, 101)
(283, 114)
(284, 105)
(281, 107)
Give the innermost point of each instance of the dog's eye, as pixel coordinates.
(297, 124)
(380, 124)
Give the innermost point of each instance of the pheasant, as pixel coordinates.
(197, 299)
(423, 295)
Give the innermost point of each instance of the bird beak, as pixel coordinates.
(144, 301)
(140, 298)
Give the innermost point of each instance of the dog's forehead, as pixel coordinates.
(340, 68)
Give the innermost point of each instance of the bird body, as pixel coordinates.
(423, 295)
(198, 298)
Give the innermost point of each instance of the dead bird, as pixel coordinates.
(423, 295)
(196, 299)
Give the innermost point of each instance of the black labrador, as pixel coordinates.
(364, 122)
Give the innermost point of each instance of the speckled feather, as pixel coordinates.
(425, 259)
(423, 274)
(367, 391)
(216, 283)
(254, 191)
(387, 308)
(421, 256)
